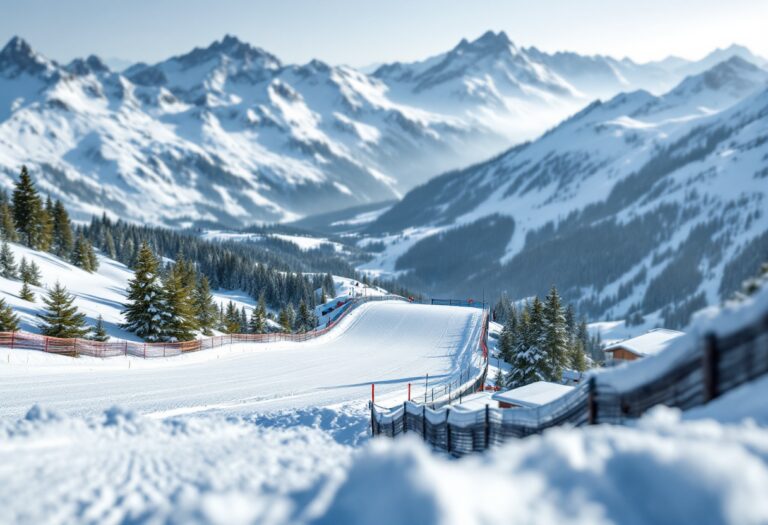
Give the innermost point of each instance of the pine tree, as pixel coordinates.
(7, 262)
(306, 319)
(146, 312)
(204, 306)
(7, 226)
(61, 318)
(182, 321)
(45, 233)
(529, 360)
(259, 318)
(9, 322)
(500, 380)
(83, 255)
(98, 332)
(286, 318)
(63, 242)
(26, 292)
(109, 245)
(576, 358)
(556, 337)
(30, 272)
(27, 210)
(232, 319)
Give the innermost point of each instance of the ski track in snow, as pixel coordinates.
(388, 343)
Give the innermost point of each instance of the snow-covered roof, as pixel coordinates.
(649, 343)
(533, 395)
(476, 401)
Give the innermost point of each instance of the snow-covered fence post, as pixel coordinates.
(13, 339)
(486, 427)
(405, 422)
(126, 348)
(591, 402)
(426, 389)
(711, 361)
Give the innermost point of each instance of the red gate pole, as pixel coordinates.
(409, 391)
(373, 396)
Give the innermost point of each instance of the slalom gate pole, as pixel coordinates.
(409, 391)
(373, 393)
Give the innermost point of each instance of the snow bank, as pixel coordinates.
(120, 467)
(661, 471)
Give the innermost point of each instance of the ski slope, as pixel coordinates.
(389, 343)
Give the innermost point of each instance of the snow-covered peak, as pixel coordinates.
(90, 65)
(18, 57)
(733, 74)
(233, 48)
(488, 43)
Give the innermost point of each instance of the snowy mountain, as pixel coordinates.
(519, 92)
(642, 203)
(226, 135)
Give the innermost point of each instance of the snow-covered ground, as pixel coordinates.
(386, 343)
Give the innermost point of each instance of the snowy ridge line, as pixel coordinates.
(718, 355)
(76, 347)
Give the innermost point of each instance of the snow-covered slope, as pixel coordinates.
(234, 465)
(639, 203)
(100, 293)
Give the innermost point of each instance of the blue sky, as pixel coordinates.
(364, 32)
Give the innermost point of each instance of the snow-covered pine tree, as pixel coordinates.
(205, 308)
(27, 210)
(63, 241)
(61, 317)
(556, 336)
(9, 322)
(8, 267)
(98, 332)
(328, 285)
(146, 312)
(259, 318)
(179, 306)
(306, 319)
(529, 360)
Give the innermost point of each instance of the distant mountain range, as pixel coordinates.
(228, 135)
(640, 205)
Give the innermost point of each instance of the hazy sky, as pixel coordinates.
(361, 32)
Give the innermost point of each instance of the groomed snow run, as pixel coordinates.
(389, 343)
